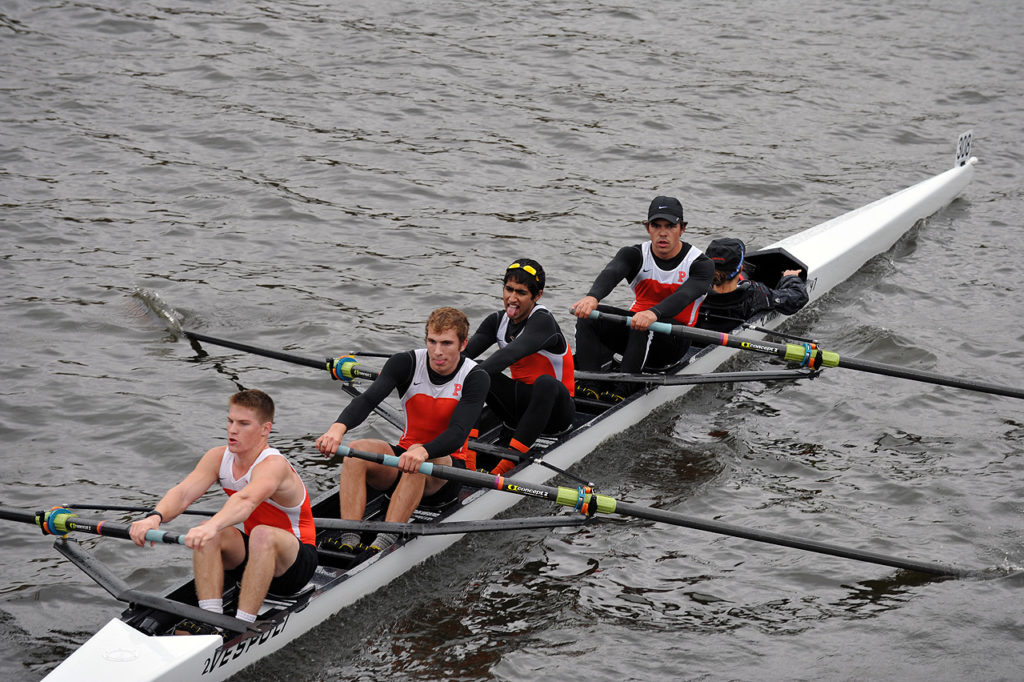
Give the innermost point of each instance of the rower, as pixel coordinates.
(669, 279)
(735, 298)
(442, 394)
(538, 397)
(276, 551)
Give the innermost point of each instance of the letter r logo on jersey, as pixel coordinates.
(456, 390)
(682, 277)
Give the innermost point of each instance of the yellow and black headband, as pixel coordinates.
(526, 268)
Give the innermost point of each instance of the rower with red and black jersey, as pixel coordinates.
(538, 397)
(669, 279)
(276, 549)
(442, 394)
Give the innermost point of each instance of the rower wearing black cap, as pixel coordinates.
(734, 299)
(669, 279)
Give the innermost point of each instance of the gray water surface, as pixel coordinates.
(317, 177)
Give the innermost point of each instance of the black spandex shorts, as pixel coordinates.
(292, 580)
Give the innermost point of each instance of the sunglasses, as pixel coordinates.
(526, 268)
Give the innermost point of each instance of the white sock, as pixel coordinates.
(350, 539)
(383, 541)
(247, 617)
(215, 605)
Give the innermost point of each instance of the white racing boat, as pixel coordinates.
(140, 645)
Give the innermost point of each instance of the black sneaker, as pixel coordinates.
(586, 392)
(191, 627)
(611, 397)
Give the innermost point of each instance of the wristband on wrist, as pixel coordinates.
(154, 512)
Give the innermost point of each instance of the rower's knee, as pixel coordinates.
(261, 539)
(547, 382)
(224, 544)
(355, 466)
(352, 465)
(269, 539)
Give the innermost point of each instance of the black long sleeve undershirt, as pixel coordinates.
(537, 332)
(627, 263)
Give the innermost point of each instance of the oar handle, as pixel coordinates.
(660, 327)
(581, 498)
(427, 468)
(691, 333)
(475, 478)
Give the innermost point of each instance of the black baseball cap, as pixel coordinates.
(665, 208)
(727, 254)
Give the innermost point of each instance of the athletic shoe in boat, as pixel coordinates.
(584, 391)
(191, 627)
(383, 541)
(346, 542)
(611, 397)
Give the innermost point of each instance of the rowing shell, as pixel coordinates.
(122, 650)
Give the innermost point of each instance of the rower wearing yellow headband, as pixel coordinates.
(537, 398)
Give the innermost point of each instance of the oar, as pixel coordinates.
(323, 523)
(450, 527)
(131, 508)
(753, 327)
(778, 334)
(591, 503)
(685, 379)
(60, 521)
(809, 356)
(278, 355)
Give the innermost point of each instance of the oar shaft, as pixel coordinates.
(688, 379)
(276, 355)
(8, 514)
(477, 479)
(118, 530)
(265, 352)
(785, 540)
(801, 353)
(928, 377)
(449, 527)
(578, 498)
(61, 521)
(132, 508)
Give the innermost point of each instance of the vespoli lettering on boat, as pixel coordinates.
(223, 655)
